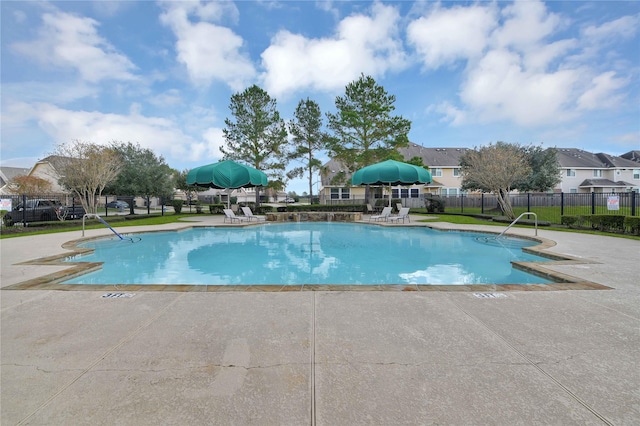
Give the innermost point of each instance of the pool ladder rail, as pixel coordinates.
(535, 216)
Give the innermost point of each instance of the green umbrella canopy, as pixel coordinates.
(226, 175)
(392, 173)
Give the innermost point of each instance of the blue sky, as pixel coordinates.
(161, 74)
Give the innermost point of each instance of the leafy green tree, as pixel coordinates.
(502, 167)
(180, 182)
(364, 129)
(143, 174)
(85, 169)
(308, 140)
(544, 169)
(258, 136)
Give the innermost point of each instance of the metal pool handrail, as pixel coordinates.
(518, 218)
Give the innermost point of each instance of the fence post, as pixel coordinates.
(24, 210)
(562, 204)
(528, 201)
(462, 203)
(482, 203)
(633, 203)
(593, 203)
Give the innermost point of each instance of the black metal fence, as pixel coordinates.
(39, 208)
(548, 207)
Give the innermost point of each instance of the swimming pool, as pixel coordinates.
(310, 253)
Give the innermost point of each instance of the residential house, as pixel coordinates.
(584, 172)
(46, 169)
(581, 171)
(7, 174)
(443, 163)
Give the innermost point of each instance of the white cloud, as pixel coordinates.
(526, 24)
(517, 67)
(500, 89)
(625, 28)
(164, 136)
(600, 93)
(209, 52)
(69, 41)
(450, 113)
(447, 35)
(362, 44)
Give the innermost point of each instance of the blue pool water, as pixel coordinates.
(309, 253)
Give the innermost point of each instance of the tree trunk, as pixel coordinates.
(505, 204)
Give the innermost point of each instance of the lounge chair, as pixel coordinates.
(229, 214)
(398, 206)
(402, 214)
(384, 215)
(248, 213)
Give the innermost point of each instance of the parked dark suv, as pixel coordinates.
(42, 210)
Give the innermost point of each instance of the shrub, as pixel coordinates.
(569, 220)
(632, 225)
(607, 222)
(324, 208)
(216, 208)
(177, 206)
(434, 204)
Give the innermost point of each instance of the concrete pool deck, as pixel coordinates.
(324, 357)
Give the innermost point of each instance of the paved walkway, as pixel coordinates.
(325, 358)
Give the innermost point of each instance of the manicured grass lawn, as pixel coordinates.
(124, 221)
(551, 214)
(468, 220)
(115, 221)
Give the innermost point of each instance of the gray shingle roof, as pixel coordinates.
(577, 158)
(632, 155)
(434, 157)
(604, 183)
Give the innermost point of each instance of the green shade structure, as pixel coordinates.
(392, 173)
(226, 174)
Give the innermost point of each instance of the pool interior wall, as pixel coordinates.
(60, 280)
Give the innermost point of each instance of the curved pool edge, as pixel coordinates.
(562, 281)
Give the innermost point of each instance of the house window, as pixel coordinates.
(597, 173)
(636, 174)
(456, 172)
(449, 191)
(573, 190)
(571, 173)
(405, 193)
(436, 173)
(340, 193)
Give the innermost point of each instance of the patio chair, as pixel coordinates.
(384, 215)
(402, 214)
(229, 214)
(248, 213)
(398, 206)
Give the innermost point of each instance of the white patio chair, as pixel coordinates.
(402, 214)
(229, 214)
(248, 213)
(384, 215)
